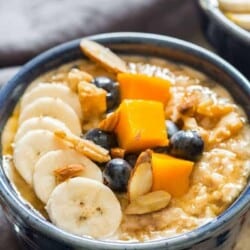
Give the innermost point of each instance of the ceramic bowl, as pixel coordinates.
(230, 40)
(35, 232)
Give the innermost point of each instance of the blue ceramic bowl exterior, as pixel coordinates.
(35, 232)
(230, 41)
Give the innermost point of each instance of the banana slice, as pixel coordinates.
(84, 207)
(43, 122)
(54, 90)
(56, 108)
(31, 147)
(242, 6)
(243, 20)
(44, 178)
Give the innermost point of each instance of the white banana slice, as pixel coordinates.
(44, 178)
(56, 108)
(31, 147)
(242, 6)
(84, 207)
(43, 122)
(54, 90)
(243, 20)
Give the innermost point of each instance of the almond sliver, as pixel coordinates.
(69, 171)
(103, 56)
(149, 203)
(141, 179)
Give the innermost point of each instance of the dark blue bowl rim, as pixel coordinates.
(214, 13)
(184, 240)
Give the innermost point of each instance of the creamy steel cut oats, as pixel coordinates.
(127, 148)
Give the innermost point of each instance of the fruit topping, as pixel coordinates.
(186, 144)
(171, 174)
(171, 128)
(137, 128)
(136, 86)
(104, 139)
(112, 89)
(116, 174)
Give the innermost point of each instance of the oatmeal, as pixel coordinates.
(135, 150)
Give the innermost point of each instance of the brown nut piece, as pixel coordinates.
(75, 76)
(103, 56)
(92, 100)
(141, 178)
(87, 148)
(109, 123)
(149, 203)
(67, 172)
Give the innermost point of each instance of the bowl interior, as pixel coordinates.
(129, 44)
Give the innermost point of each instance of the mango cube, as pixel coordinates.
(138, 86)
(141, 125)
(171, 174)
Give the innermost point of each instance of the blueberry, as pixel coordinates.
(116, 174)
(104, 139)
(171, 128)
(186, 144)
(112, 89)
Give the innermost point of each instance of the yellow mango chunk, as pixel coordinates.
(141, 125)
(171, 174)
(136, 86)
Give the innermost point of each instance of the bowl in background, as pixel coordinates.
(230, 40)
(36, 233)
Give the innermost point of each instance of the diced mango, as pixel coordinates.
(171, 174)
(141, 125)
(136, 86)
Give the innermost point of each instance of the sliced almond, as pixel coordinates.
(141, 178)
(149, 203)
(103, 56)
(66, 172)
(109, 123)
(88, 148)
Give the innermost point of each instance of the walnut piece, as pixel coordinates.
(210, 109)
(92, 100)
(75, 76)
(227, 127)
